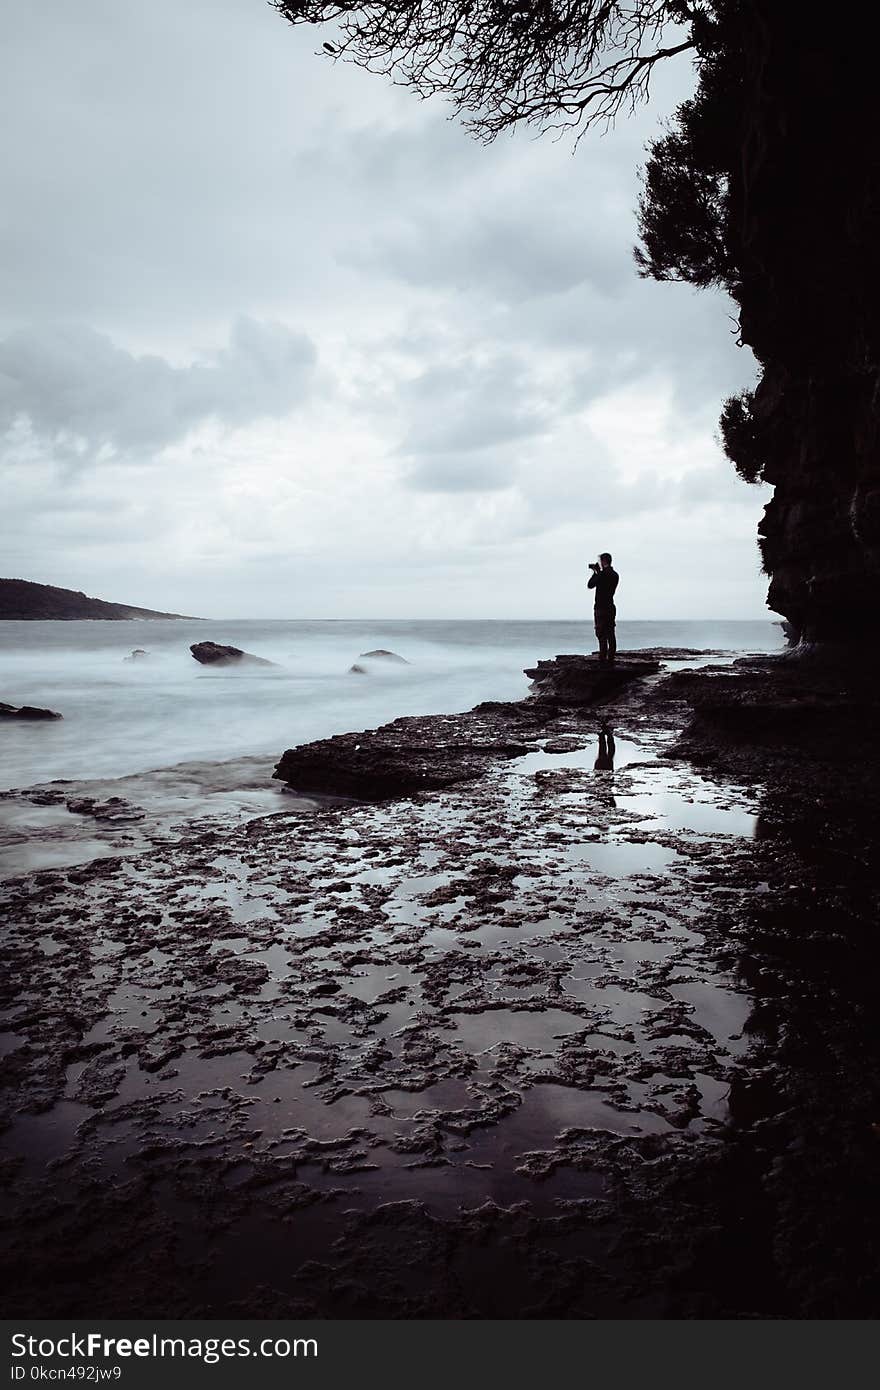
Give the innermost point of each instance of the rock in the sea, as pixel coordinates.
(138, 654)
(114, 809)
(581, 680)
(410, 755)
(27, 712)
(357, 670)
(214, 654)
(380, 654)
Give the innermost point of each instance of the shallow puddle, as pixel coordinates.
(626, 751)
(451, 1094)
(722, 1012)
(674, 811)
(548, 1108)
(38, 1139)
(541, 1029)
(622, 858)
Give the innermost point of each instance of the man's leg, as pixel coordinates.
(612, 642)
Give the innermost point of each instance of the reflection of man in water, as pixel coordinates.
(605, 760)
(605, 580)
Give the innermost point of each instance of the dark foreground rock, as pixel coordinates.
(410, 755)
(584, 680)
(215, 654)
(804, 705)
(31, 712)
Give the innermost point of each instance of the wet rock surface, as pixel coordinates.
(557, 1041)
(424, 754)
(61, 823)
(411, 755)
(586, 680)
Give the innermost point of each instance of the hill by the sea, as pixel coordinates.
(22, 600)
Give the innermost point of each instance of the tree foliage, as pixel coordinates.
(741, 436)
(683, 209)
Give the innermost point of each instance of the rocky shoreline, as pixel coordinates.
(552, 1039)
(412, 755)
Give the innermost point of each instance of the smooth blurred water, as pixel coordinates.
(125, 717)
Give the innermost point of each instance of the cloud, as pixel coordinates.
(503, 386)
(465, 472)
(76, 385)
(468, 406)
(509, 258)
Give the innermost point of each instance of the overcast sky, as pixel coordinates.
(277, 339)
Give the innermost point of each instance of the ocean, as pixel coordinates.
(123, 717)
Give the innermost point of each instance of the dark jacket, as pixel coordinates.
(604, 582)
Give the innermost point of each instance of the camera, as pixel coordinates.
(595, 568)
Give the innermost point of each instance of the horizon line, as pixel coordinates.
(581, 618)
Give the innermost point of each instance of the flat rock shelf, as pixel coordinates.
(424, 754)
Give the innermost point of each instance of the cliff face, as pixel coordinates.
(21, 600)
(768, 186)
(805, 219)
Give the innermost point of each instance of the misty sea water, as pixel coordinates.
(123, 717)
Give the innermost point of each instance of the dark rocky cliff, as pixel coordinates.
(805, 209)
(768, 186)
(22, 600)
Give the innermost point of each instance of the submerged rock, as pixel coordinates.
(357, 670)
(114, 808)
(215, 654)
(380, 654)
(31, 712)
(137, 654)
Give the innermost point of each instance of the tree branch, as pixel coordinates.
(505, 62)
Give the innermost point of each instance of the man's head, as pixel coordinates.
(605, 559)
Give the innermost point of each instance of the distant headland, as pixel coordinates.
(20, 600)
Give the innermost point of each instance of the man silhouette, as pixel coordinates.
(604, 580)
